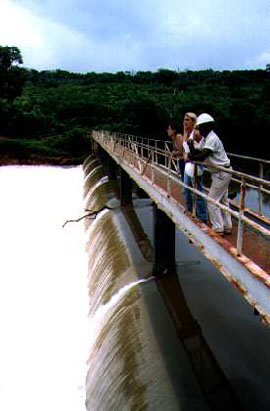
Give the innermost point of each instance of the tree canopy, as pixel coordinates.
(9, 56)
(12, 77)
(35, 104)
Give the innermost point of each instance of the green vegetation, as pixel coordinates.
(48, 112)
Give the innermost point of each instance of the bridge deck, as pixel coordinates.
(249, 271)
(255, 247)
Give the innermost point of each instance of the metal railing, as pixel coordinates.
(167, 145)
(158, 155)
(261, 164)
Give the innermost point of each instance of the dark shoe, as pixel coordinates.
(219, 232)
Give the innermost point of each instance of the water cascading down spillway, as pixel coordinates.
(126, 365)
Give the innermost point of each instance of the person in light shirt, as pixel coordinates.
(189, 122)
(212, 153)
(192, 180)
(178, 138)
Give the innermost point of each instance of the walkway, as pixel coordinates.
(242, 257)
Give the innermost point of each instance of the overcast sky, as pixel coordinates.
(116, 35)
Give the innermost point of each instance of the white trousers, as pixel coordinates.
(220, 220)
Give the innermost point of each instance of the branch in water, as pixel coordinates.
(91, 213)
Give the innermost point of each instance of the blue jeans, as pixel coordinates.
(201, 209)
(181, 166)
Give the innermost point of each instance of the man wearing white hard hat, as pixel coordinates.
(213, 154)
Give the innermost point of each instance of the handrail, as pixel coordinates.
(260, 160)
(240, 174)
(240, 156)
(137, 148)
(237, 173)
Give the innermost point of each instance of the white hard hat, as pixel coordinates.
(204, 118)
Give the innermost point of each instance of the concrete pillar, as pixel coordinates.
(111, 168)
(125, 188)
(95, 148)
(101, 153)
(164, 243)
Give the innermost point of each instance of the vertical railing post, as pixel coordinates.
(133, 153)
(169, 177)
(240, 231)
(153, 167)
(260, 190)
(156, 158)
(113, 142)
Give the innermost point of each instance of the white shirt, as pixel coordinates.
(197, 145)
(218, 156)
(190, 167)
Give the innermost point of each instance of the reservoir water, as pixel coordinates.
(43, 290)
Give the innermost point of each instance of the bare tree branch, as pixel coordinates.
(92, 214)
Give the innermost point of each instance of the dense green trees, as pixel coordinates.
(36, 104)
(12, 78)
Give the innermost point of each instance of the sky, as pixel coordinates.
(133, 35)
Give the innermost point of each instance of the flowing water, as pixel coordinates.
(94, 330)
(211, 353)
(130, 325)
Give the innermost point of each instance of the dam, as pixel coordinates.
(87, 326)
(182, 340)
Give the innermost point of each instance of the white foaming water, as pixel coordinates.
(99, 319)
(43, 290)
(96, 185)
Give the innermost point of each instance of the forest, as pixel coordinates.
(45, 114)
